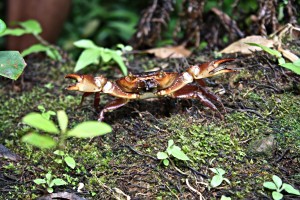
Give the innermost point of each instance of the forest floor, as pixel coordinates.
(258, 137)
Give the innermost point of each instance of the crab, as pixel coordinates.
(151, 85)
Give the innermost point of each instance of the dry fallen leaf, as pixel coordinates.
(240, 46)
(170, 52)
(276, 41)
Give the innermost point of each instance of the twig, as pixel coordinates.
(177, 169)
(137, 152)
(282, 155)
(194, 190)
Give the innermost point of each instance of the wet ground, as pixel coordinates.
(258, 137)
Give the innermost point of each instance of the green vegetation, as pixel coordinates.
(278, 187)
(48, 182)
(33, 27)
(293, 66)
(172, 150)
(218, 178)
(86, 129)
(93, 54)
(11, 62)
(65, 157)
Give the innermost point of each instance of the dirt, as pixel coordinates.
(261, 99)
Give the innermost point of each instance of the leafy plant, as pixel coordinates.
(83, 130)
(277, 186)
(225, 198)
(48, 182)
(33, 27)
(294, 66)
(65, 157)
(218, 178)
(172, 150)
(104, 22)
(11, 62)
(93, 54)
(46, 114)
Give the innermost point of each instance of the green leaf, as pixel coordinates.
(178, 153)
(267, 49)
(59, 161)
(39, 181)
(12, 64)
(58, 182)
(38, 140)
(13, 32)
(36, 48)
(297, 63)
(62, 120)
(86, 44)
(162, 155)
(2, 26)
(48, 177)
(31, 26)
(70, 162)
(214, 170)
(106, 56)
(90, 129)
(59, 152)
(281, 60)
(277, 195)
(86, 58)
(166, 162)
(36, 120)
(225, 198)
(50, 189)
(170, 143)
(53, 54)
(290, 189)
(270, 185)
(277, 181)
(116, 57)
(292, 67)
(216, 181)
(220, 171)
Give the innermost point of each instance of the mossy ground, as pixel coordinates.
(125, 160)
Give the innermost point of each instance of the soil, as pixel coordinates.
(261, 100)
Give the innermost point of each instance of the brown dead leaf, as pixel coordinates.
(240, 46)
(170, 52)
(287, 32)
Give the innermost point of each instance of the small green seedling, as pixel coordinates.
(48, 182)
(93, 54)
(294, 66)
(173, 150)
(11, 62)
(86, 129)
(225, 198)
(277, 186)
(46, 114)
(34, 28)
(65, 157)
(218, 178)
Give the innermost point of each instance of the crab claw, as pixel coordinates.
(86, 83)
(210, 69)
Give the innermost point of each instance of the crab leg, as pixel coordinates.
(192, 92)
(96, 99)
(113, 105)
(211, 96)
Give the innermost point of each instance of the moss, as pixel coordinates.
(107, 162)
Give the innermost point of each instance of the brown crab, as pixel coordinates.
(152, 85)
